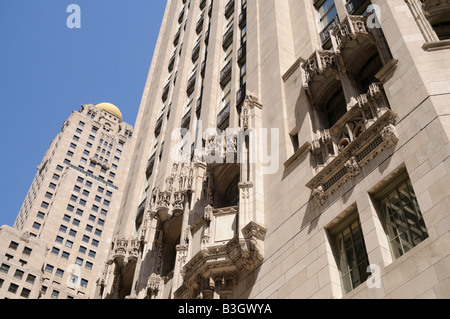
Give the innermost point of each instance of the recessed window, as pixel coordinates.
(19, 274)
(30, 279)
(36, 225)
(13, 245)
(65, 255)
(55, 251)
(25, 293)
(88, 265)
(55, 294)
(49, 268)
(82, 250)
(79, 261)
(59, 240)
(69, 244)
(59, 273)
(402, 216)
(72, 233)
(13, 288)
(350, 253)
(70, 208)
(92, 253)
(84, 283)
(62, 229)
(4, 268)
(66, 218)
(27, 251)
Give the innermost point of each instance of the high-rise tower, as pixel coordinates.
(73, 201)
(336, 170)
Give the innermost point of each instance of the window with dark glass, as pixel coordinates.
(350, 252)
(403, 219)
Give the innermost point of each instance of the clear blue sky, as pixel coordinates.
(48, 70)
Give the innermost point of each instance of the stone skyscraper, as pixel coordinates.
(347, 100)
(71, 209)
(288, 149)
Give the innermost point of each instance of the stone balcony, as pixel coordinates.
(359, 136)
(125, 251)
(220, 252)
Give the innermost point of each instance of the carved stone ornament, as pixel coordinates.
(352, 167)
(389, 135)
(319, 195)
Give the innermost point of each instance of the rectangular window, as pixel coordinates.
(27, 251)
(13, 288)
(88, 265)
(30, 279)
(13, 245)
(69, 244)
(55, 294)
(350, 252)
(55, 251)
(65, 255)
(59, 240)
(19, 274)
(59, 273)
(49, 268)
(36, 226)
(402, 216)
(25, 293)
(70, 208)
(4, 268)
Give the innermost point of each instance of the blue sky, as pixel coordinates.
(48, 70)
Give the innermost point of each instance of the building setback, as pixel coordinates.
(72, 204)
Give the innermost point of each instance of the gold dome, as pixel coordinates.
(111, 108)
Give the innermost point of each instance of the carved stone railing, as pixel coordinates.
(320, 62)
(351, 28)
(125, 251)
(222, 148)
(360, 135)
